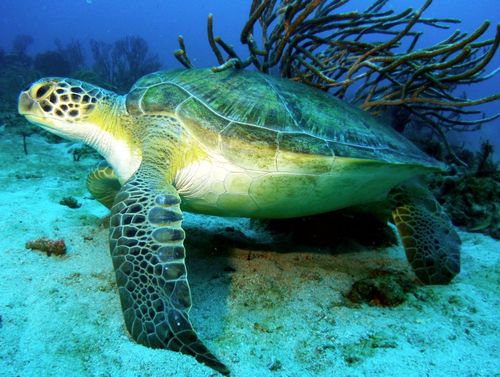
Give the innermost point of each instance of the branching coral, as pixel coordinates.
(372, 54)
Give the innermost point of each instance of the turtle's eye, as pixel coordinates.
(41, 91)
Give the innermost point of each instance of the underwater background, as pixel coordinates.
(266, 304)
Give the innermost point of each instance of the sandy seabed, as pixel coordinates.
(264, 313)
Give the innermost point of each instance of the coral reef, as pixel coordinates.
(56, 247)
(471, 196)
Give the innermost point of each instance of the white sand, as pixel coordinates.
(279, 314)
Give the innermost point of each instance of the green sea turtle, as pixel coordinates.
(233, 143)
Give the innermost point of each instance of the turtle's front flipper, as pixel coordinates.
(146, 242)
(430, 241)
(103, 183)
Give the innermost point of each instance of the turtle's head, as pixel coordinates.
(69, 108)
(76, 110)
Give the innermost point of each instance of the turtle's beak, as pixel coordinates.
(35, 100)
(26, 103)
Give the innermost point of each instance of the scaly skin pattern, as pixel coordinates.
(146, 241)
(431, 243)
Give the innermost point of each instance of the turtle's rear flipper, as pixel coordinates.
(103, 183)
(146, 242)
(430, 241)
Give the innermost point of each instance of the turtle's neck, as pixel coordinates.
(111, 140)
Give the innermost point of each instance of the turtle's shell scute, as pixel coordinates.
(162, 98)
(205, 124)
(253, 148)
(243, 114)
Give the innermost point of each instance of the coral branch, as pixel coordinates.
(181, 54)
(211, 41)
